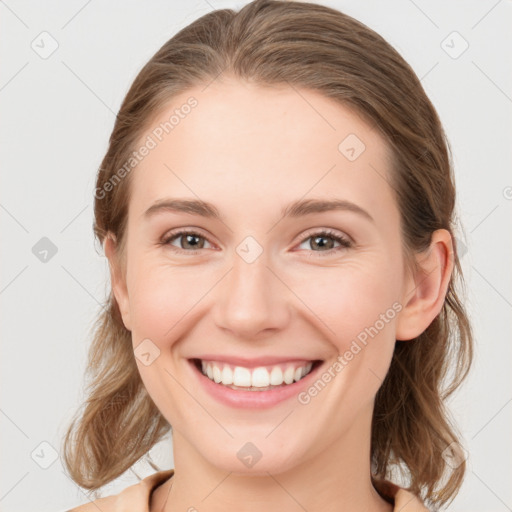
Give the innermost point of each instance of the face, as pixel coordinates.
(265, 283)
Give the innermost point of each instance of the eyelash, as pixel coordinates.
(344, 242)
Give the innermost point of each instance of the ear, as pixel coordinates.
(426, 287)
(117, 278)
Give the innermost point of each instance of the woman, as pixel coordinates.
(276, 205)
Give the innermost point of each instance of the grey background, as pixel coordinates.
(57, 115)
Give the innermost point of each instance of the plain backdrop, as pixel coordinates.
(57, 112)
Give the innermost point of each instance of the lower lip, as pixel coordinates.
(253, 399)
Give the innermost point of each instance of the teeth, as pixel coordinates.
(241, 376)
(227, 375)
(288, 375)
(276, 376)
(217, 374)
(261, 377)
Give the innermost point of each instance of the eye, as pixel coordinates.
(325, 240)
(190, 241)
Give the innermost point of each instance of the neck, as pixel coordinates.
(336, 479)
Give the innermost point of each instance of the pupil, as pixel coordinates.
(319, 241)
(323, 245)
(190, 238)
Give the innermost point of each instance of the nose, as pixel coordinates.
(252, 300)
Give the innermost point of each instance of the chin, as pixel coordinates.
(256, 458)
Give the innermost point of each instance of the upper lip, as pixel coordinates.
(253, 362)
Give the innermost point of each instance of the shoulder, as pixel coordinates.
(136, 496)
(408, 502)
(404, 501)
(106, 504)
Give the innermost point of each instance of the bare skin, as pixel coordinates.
(251, 151)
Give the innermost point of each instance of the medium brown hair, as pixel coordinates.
(313, 47)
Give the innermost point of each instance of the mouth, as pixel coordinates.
(256, 379)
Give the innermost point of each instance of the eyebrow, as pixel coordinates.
(295, 209)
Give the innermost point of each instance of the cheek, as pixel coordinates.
(358, 311)
(351, 299)
(162, 301)
(162, 298)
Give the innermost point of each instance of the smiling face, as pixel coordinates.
(266, 274)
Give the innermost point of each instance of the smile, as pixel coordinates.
(261, 378)
(259, 383)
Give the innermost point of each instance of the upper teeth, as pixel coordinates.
(258, 377)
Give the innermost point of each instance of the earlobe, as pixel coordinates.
(117, 279)
(426, 287)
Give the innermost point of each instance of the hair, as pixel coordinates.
(317, 48)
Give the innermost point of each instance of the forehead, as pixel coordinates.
(239, 140)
